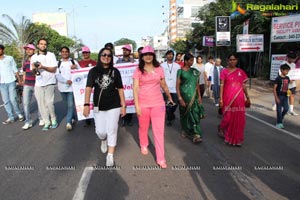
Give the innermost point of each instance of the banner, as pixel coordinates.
(277, 60)
(222, 31)
(285, 29)
(79, 78)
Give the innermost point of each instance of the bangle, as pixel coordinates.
(179, 98)
(124, 106)
(86, 104)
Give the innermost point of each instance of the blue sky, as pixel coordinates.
(99, 22)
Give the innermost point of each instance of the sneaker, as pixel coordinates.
(144, 150)
(8, 121)
(42, 123)
(217, 105)
(293, 113)
(73, 121)
(274, 107)
(46, 127)
(279, 126)
(69, 126)
(54, 124)
(103, 146)
(109, 160)
(27, 126)
(21, 117)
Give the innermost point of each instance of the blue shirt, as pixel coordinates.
(8, 69)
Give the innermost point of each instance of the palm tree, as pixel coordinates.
(17, 34)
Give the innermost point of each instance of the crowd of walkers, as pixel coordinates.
(158, 90)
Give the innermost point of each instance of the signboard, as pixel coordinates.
(250, 43)
(276, 61)
(222, 31)
(208, 41)
(285, 29)
(57, 21)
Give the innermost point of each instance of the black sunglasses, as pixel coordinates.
(106, 55)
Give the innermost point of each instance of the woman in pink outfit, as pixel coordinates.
(148, 78)
(233, 93)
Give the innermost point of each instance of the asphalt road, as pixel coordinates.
(51, 165)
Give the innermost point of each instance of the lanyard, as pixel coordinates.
(170, 70)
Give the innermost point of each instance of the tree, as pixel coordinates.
(18, 34)
(124, 41)
(179, 46)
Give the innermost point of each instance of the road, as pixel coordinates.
(62, 165)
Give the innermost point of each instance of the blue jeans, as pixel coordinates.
(68, 98)
(27, 96)
(283, 104)
(9, 98)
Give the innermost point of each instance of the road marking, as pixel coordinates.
(271, 125)
(83, 184)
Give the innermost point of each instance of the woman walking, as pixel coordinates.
(109, 101)
(189, 97)
(148, 78)
(233, 91)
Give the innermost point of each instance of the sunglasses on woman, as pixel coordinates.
(106, 55)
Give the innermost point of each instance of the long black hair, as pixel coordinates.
(187, 56)
(99, 65)
(142, 62)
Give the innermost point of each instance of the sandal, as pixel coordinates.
(144, 150)
(162, 165)
(220, 132)
(197, 139)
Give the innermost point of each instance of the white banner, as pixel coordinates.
(79, 78)
(285, 29)
(294, 74)
(250, 43)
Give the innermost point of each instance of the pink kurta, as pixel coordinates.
(233, 122)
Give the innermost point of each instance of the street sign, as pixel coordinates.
(222, 24)
(250, 43)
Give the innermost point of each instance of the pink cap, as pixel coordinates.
(148, 49)
(85, 49)
(30, 46)
(127, 46)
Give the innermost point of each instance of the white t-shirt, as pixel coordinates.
(207, 68)
(48, 60)
(170, 71)
(201, 70)
(63, 74)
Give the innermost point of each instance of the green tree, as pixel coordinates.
(124, 41)
(179, 46)
(17, 34)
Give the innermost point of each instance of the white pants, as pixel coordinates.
(107, 125)
(45, 100)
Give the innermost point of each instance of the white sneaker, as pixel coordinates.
(293, 113)
(42, 123)
(274, 107)
(69, 127)
(103, 146)
(21, 117)
(216, 104)
(110, 160)
(27, 126)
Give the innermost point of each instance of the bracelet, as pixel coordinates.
(86, 104)
(124, 106)
(179, 98)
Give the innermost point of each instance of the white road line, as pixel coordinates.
(83, 184)
(271, 125)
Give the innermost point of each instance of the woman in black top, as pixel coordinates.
(108, 101)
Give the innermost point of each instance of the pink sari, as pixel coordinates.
(233, 122)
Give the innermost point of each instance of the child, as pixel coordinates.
(281, 92)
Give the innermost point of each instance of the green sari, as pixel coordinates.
(191, 114)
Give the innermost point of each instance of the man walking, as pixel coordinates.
(127, 119)
(45, 64)
(170, 70)
(8, 74)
